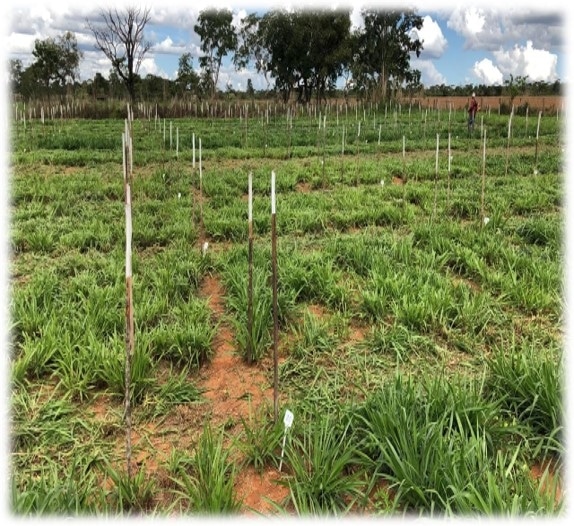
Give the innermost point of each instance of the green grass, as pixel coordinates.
(421, 351)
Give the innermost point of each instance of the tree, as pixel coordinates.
(252, 47)
(116, 85)
(155, 88)
(384, 48)
(120, 37)
(187, 79)
(515, 86)
(328, 52)
(218, 38)
(57, 60)
(250, 91)
(277, 47)
(414, 85)
(99, 86)
(16, 70)
(302, 49)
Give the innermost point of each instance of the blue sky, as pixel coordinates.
(463, 44)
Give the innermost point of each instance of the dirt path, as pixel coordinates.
(234, 391)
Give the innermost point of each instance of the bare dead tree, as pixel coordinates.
(120, 37)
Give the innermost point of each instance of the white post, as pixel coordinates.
(449, 153)
(436, 156)
(538, 125)
(273, 192)
(250, 200)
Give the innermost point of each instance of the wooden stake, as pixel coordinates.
(200, 192)
(343, 151)
(250, 270)
(404, 174)
(323, 160)
(483, 179)
(435, 177)
(129, 331)
(537, 134)
(508, 141)
(404, 160)
(275, 310)
(448, 175)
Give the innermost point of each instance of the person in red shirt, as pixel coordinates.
(472, 109)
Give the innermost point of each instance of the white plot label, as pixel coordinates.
(288, 422)
(288, 418)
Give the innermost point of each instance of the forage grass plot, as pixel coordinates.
(177, 290)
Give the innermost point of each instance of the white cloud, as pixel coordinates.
(489, 28)
(467, 21)
(486, 72)
(19, 43)
(173, 15)
(168, 47)
(434, 42)
(149, 67)
(479, 27)
(474, 20)
(537, 64)
(430, 76)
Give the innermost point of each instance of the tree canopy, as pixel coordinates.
(384, 49)
(187, 79)
(218, 38)
(56, 62)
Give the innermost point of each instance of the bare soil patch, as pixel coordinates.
(235, 390)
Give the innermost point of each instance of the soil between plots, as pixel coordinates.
(236, 390)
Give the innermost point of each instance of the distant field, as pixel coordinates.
(548, 104)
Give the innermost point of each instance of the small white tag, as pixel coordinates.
(288, 418)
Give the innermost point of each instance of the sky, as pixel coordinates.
(463, 43)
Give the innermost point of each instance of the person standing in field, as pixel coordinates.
(472, 109)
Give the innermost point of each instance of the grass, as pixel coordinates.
(260, 438)
(208, 487)
(420, 352)
(322, 460)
